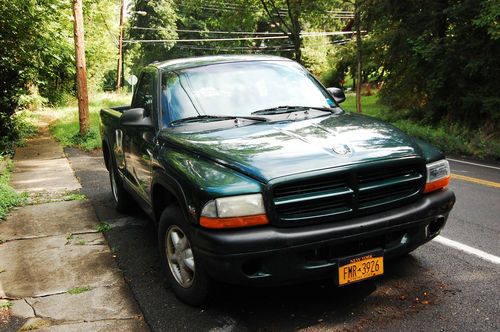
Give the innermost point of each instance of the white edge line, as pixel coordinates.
(470, 163)
(467, 249)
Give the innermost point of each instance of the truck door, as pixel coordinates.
(139, 141)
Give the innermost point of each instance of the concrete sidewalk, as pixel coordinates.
(57, 272)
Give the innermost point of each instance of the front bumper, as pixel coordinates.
(271, 255)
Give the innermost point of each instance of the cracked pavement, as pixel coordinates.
(57, 271)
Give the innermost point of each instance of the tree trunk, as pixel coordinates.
(120, 49)
(294, 10)
(297, 47)
(81, 70)
(357, 23)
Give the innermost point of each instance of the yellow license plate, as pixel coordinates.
(360, 268)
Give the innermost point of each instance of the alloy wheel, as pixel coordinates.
(180, 256)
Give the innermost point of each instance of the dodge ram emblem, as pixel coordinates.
(342, 149)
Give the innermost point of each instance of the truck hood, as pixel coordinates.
(269, 150)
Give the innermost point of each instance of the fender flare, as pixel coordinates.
(170, 184)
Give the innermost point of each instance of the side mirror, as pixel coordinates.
(136, 117)
(337, 94)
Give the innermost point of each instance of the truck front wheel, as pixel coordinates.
(185, 274)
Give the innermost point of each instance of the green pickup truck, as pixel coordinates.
(255, 175)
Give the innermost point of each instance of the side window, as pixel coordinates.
(144, 96)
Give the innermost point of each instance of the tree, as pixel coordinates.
(289, 21)
(81, 68)
(36, 57)
(101, 19)
(293, 16)
(442, 59)
(159, 23)
(200, 18)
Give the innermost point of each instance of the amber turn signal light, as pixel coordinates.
(433, 186)
(234, 222)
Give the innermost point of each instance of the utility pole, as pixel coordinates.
(357, 24)
(81, 68)
(120, 48)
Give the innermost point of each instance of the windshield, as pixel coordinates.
(238, 89)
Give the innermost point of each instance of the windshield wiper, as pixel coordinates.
(217, 118)
(290, 109)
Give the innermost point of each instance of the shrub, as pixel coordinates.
(10, 198)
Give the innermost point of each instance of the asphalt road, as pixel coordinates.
(437, 287)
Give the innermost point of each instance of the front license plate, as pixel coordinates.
(361, 267)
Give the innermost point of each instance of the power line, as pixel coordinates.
(131, 41)
(256, 49)
(286, 45)
(260, 35)
(232, 7)
(113, 37)
(212, 31)
(281, 12)
(206, 40)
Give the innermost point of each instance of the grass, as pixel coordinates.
(9, 197)
(75, 197)
(5, 304)
(102, 227)
(65, 126)
(34, 324)
(369, 103)
(18, 126)
(451, 139)
(78, 290)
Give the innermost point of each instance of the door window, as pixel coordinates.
(144, 96)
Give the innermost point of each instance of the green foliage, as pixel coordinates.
(66, 129)
(317, 51)
(75, 197)
(14, 129)
(9, 197)
(31, 102)
(371, 106)
(101, 19)
(36, 49)
(453, 139)
(65, 126)
(37, 61)
(488, 18)
(441, 59)
(159, 23)
(25, 62)
(103, 227)
(5, 304)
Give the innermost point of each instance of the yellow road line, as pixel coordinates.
(476, 180)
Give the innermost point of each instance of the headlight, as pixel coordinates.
(235, 211)
(438, 175)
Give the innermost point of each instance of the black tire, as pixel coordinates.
(196, 288)
(122, 199)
